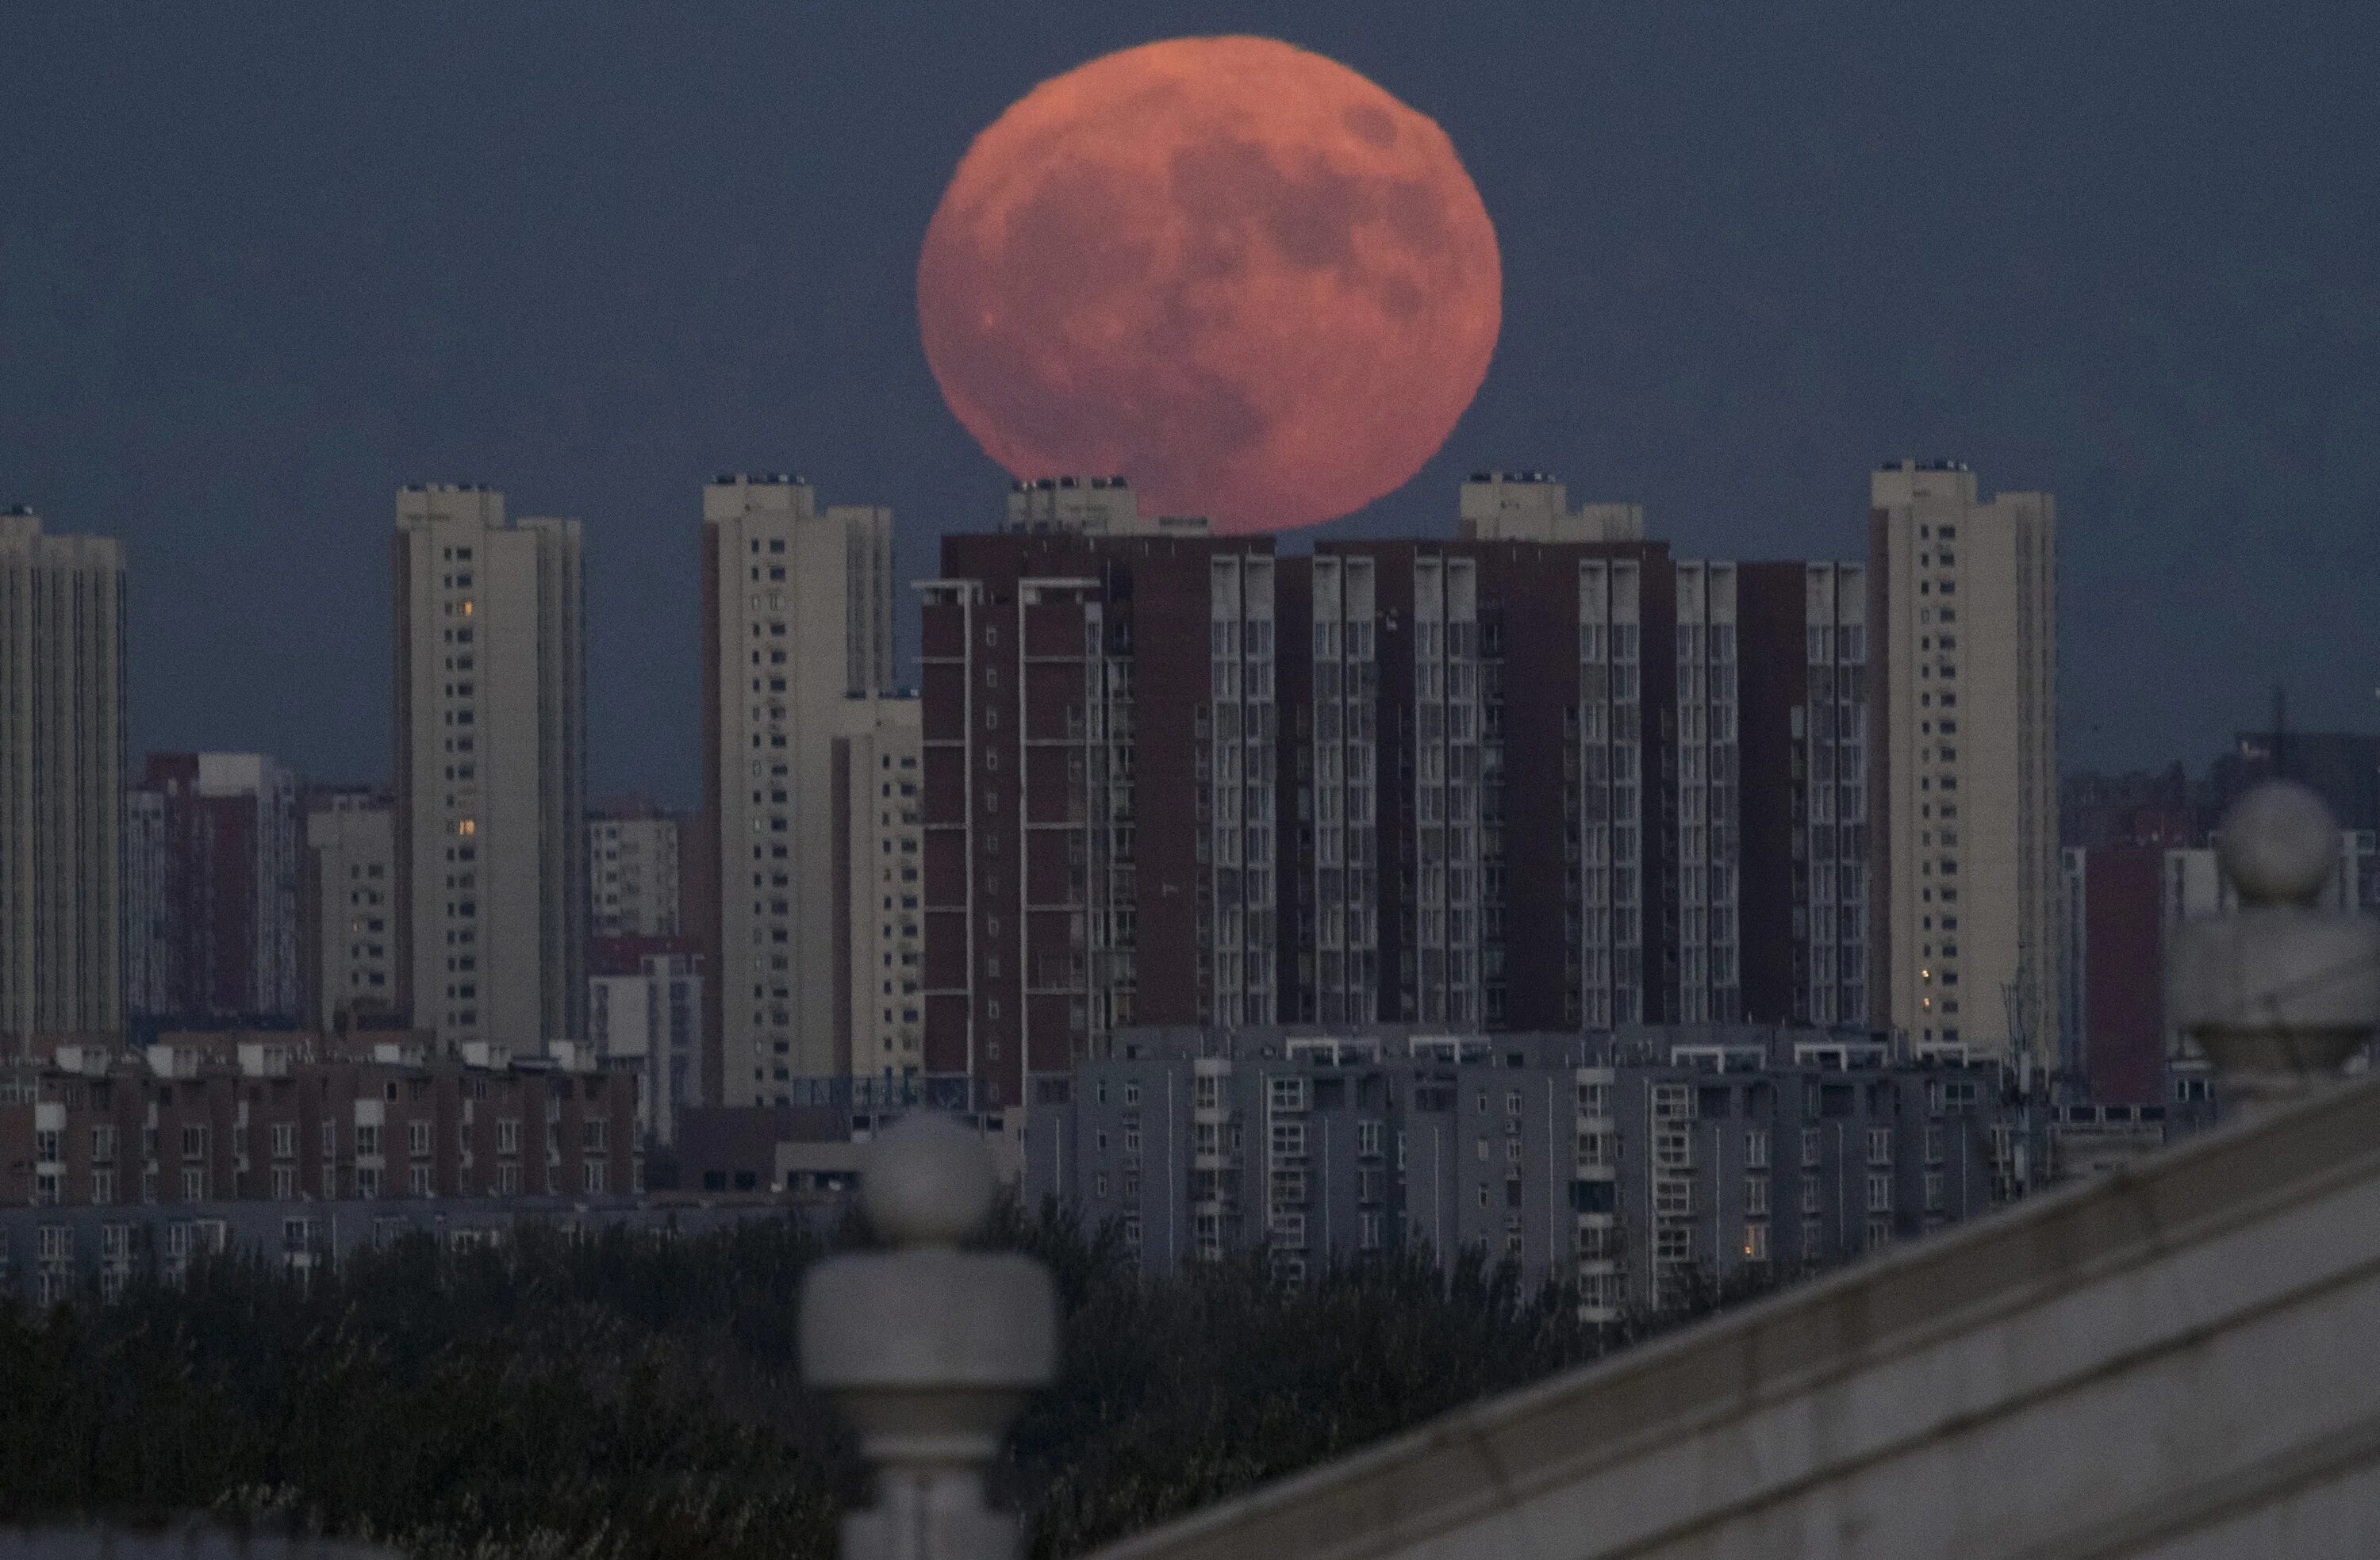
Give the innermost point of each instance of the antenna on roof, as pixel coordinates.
(2281, 732)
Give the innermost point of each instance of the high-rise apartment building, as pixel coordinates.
(879, 886)
(633, 886)
(1100, 800)
(347, 924)
(797, 620)
(61, 784)
(1790, 813)
(491, 770)
(1964, 596)
(213, 877)
(1488, 783)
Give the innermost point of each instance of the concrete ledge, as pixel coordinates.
(2096, 1361)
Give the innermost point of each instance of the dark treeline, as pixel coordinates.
(629, 1396)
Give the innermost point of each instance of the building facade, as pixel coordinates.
(880, 875)
(263, 1120)
(650, 1022)
(62, 759)
(1964, 754)
(347, 916)
(1082, 671)
(212, 882)
(1631, 1163)
(1490, 783)
(798, 613)
(633, 884)
(490, 750)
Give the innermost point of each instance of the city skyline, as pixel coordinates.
(1873, 286)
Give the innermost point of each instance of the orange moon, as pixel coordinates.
(1235, 272)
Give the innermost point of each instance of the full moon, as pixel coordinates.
(1236, 273)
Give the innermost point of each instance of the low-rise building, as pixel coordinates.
(1634, 1163)
(187, 1123)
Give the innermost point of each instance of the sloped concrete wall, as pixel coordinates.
(2176, 1360)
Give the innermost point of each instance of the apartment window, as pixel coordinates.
(1933, 1142)
(1368, 1140)
(1810, 1147)
(417, 1182)
(1755, 1196)
(508, 1135)
(592, 1171)
(591, 1136)
(284, 1184)
(102, 1144)
(1756, 1242)
(1755, 1148)
(103, 1188)
(1879, 1193)
(1934, 1192)
(418, 1139)
(285, 1139)
(367, 1139)
(1880, 1145)
(194, 1142)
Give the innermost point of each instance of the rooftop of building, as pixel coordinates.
(1717, 1047)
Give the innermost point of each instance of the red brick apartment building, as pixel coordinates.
(266, 1120)
(1491, 783)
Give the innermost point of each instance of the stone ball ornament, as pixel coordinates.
(928, 1181)
(928, 1350)
(2279, 844)
(2282, 993)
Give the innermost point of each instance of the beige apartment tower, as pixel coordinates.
(798, 622)
(878, 771)
(1967, 884)
(346, 928)
(490, 844)
(61, 784)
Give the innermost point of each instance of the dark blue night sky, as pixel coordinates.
(260, 265)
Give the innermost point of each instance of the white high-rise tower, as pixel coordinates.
(491, 770)
(1964, 595)
(797, 642)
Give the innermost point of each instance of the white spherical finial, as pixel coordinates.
(928, 1181)
(2279, 844)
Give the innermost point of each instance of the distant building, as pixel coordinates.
(1964, 744)
(879, 808)
(347, 916)
(213, 877)
(62, 758)
(633, 881)
(2097, 812)
(1625, 1162)
(1493, 784)
(261, 1120)
(1533, 506)
(798, 613)
(651, 1021)
(2342, 767)
(491, 770)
